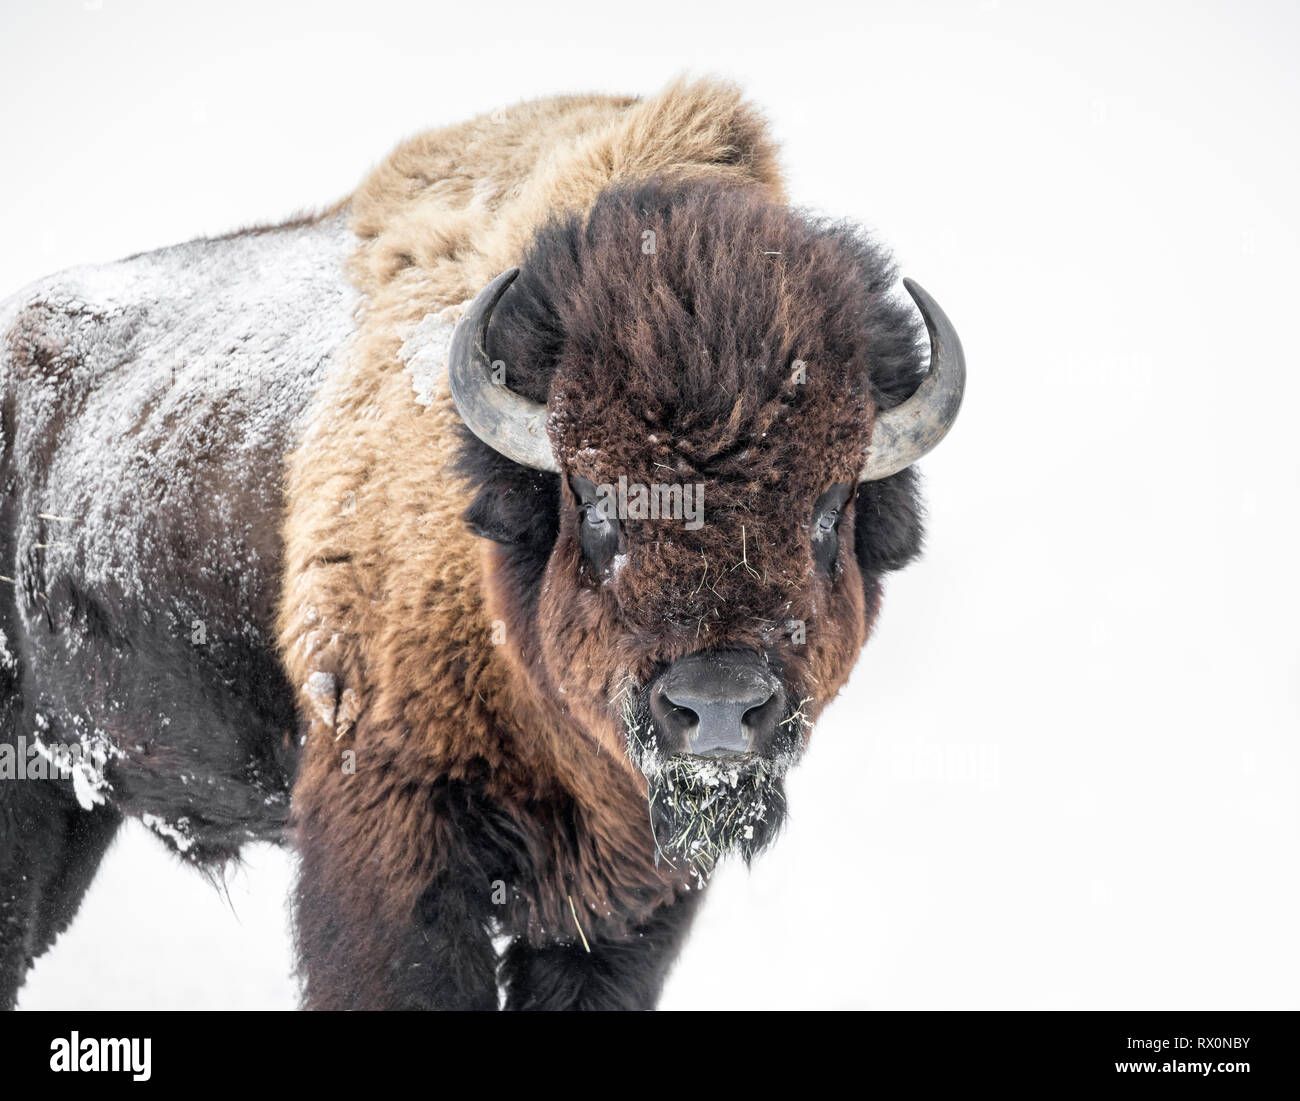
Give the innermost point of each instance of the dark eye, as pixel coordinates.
(825, 526)
(599, 531)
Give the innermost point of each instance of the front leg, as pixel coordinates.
(439, 956)
(606, 974)
(386, 915)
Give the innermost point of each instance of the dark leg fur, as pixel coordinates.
(86, 837)
(447, 960)
(49, 851)
(441, 958)
(624, 974)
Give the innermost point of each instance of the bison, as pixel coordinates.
(494, 538)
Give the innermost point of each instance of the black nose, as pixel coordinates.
(717, 704)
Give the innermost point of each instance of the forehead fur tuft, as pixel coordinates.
(703, 329)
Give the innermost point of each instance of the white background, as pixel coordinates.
(1065, 771)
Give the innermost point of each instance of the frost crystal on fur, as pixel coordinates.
(178, 834)
(425, 354)
(154, 351)
(150, 404)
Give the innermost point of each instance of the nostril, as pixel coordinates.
(762, 719)
(681, 718)
(674, 720)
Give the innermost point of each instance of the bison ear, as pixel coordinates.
(888, 523)
(518, 512)
(512, 504)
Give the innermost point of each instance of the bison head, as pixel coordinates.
(694, 413)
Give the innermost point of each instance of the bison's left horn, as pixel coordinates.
(507, 422)
(903, 434)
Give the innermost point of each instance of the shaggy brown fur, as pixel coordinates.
(387, 601)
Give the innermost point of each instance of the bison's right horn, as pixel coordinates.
(507, 422)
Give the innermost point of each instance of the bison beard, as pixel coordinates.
(702, 808)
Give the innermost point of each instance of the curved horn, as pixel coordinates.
(903, 434)
(507, 422)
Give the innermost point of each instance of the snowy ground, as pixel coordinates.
(1065, 772)
(155, 935)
